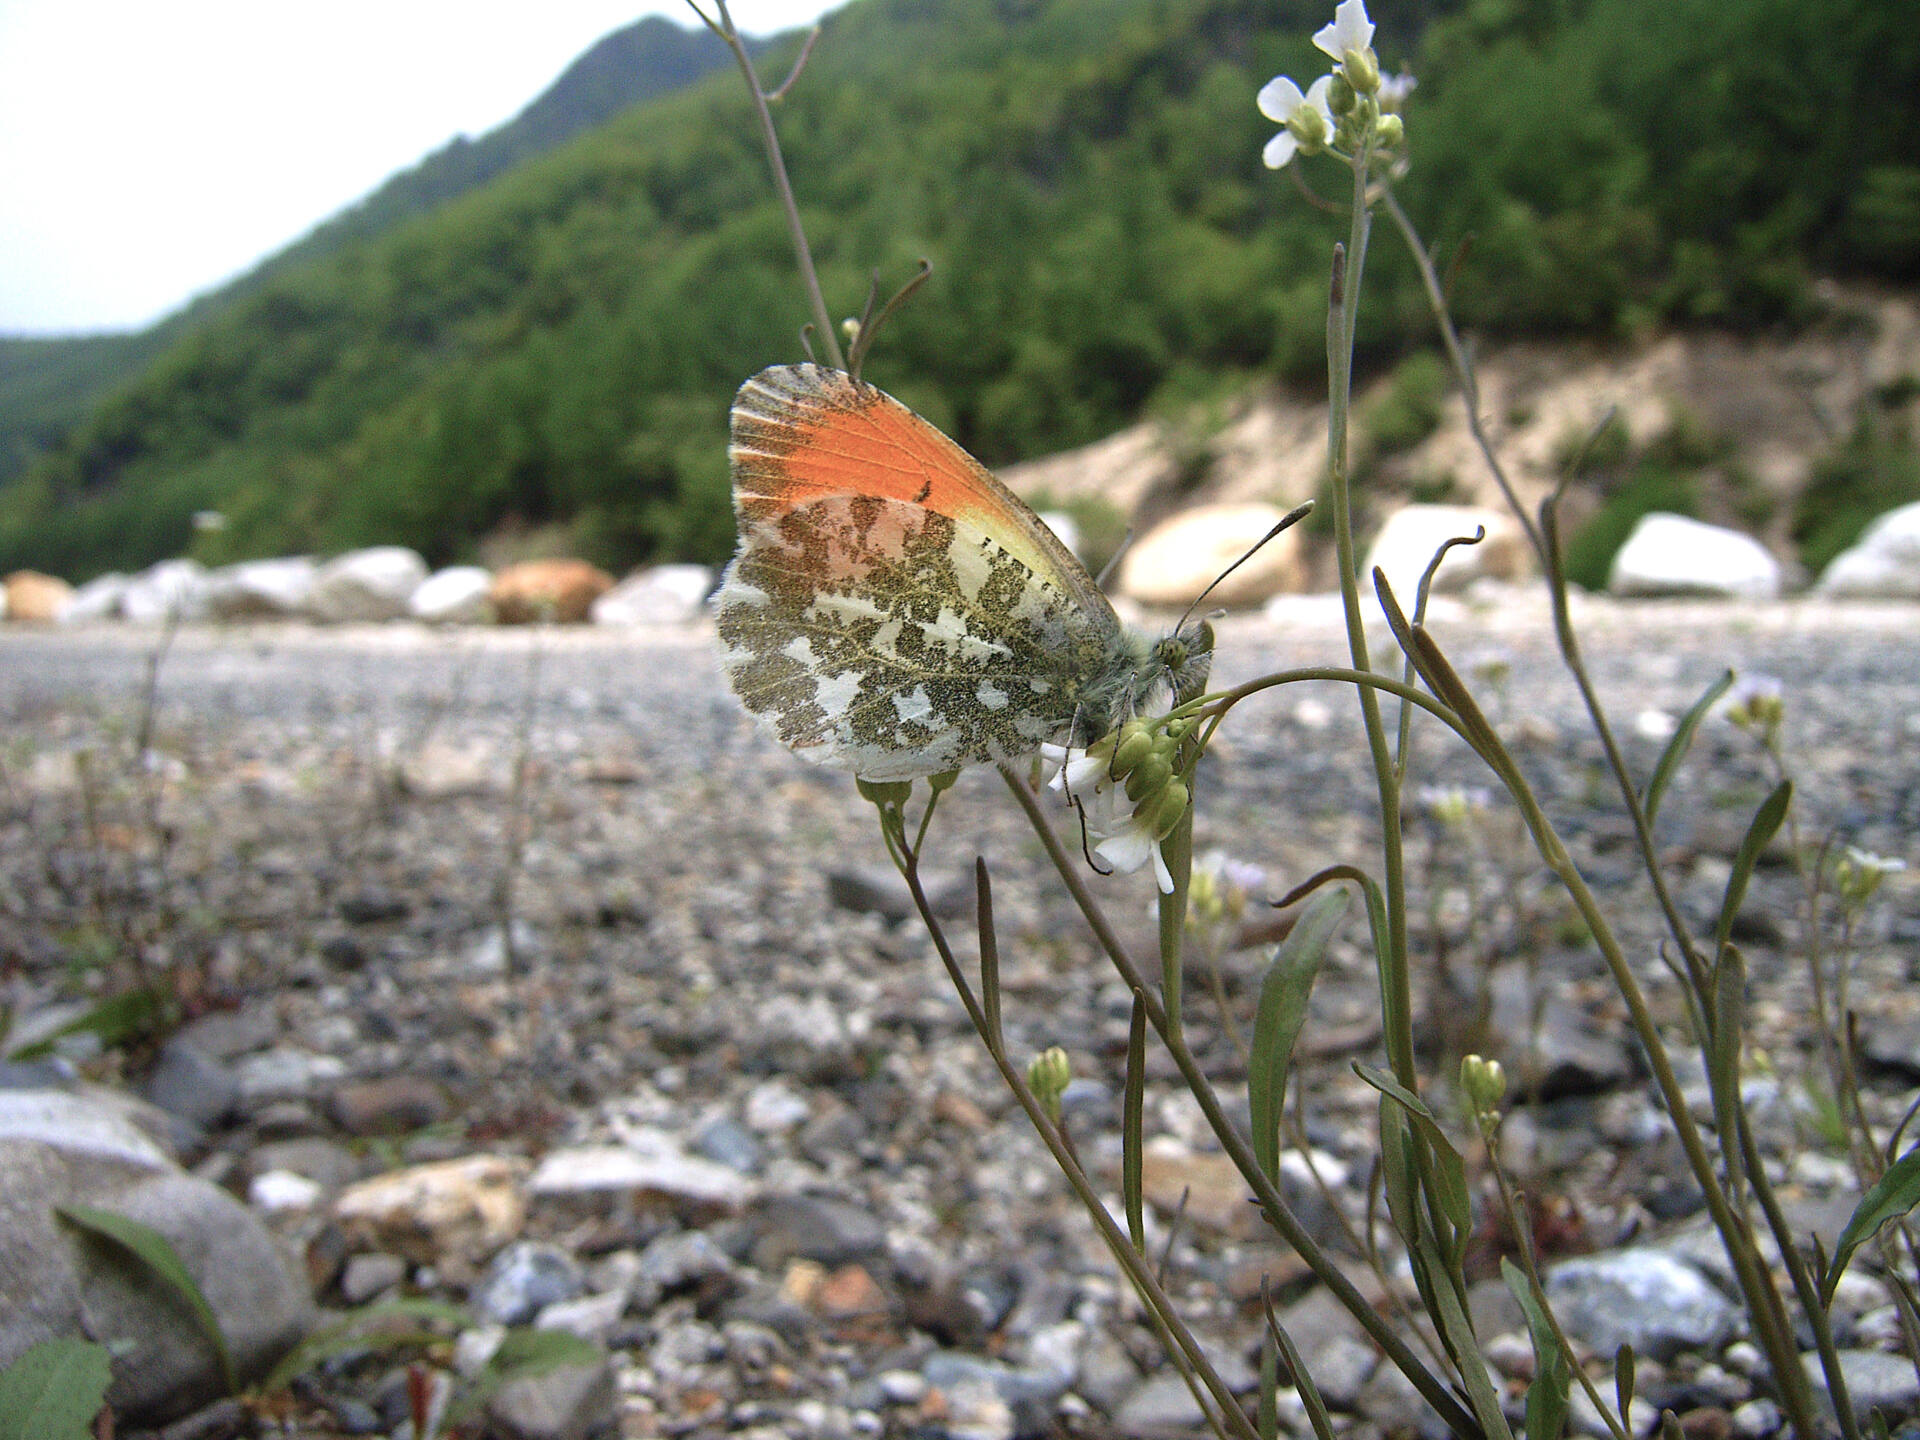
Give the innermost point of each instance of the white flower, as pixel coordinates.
(1282, 100)
(1118, 837)
(1350, 32)
(1394, 90)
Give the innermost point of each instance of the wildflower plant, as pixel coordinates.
(1131, 793)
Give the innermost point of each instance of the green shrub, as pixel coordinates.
(1876, 469)
(1410, 409)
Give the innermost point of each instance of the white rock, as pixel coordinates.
(255, 588)
(98, 599)
(658, 595)
(1884, 564)
(172, 590)
(650, 1162)
(1672, 555)
(373, 584)
(1406, 545)
(1180, 557)
(454, 596)
(284, 1190)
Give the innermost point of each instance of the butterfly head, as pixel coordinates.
(1145, 675)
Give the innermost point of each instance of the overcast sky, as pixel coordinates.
(151, 149)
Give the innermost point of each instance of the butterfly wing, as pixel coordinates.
(893, 609)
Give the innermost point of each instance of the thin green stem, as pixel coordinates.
(1394, 967)
(770, 138)
(1272, 1204)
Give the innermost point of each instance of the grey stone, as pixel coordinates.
(524, 1279)
(56, 1150)
(570, 1402)
(813, 1227)
(369, 1275)
(1160, 1404)
(1639, 1297)
(261, 589)
(1875, 1381)
(371, 584)
(189, 1083)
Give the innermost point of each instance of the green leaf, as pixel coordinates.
(156, 1253)
(1723, 1058)
(54, 1390)
(1550, 1390)
(1449, 1171)
(528, 1352)
(1892, 1196)
(372, 1327)
(116, 1020)
(1281, 1013)
(1678, 746)
(1766, 820)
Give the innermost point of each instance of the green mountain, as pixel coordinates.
(556, 350)
(48, 385)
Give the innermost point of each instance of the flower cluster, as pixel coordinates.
(1128, 791)
(1351, 109)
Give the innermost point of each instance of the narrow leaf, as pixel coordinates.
(388, 1327)
(115, 1020)
(1457, 1329)
(1449, 1172)
(1281, 1013)
(1623, 1377)
(1310, 1396)
(1678, 746)
(1766, 820)
(1723, 1059)
(53, 1391)
(989, 954)
(1892, 1196)
(1133, 1104)
(1550, 1391)
(156, 1253)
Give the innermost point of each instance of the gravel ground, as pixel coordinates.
(561, 879)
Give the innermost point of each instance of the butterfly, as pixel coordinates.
(896, 611)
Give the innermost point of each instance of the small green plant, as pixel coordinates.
(55, 1391)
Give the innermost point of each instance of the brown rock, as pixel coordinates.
(1203, 1187)
(36, 597)
(387, 1106)
(1180, 557)
(560, 591)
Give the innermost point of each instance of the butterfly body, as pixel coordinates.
(896, 611)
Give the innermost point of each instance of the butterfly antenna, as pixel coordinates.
(1086, 851)
(1291, 518)
(870, 323)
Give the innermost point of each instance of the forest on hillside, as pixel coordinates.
(555, 352)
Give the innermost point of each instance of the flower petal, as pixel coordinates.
(1280, 149)
(1350, 30)
(1278, 99)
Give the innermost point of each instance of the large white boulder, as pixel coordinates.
(1673, 555)
(658, 595)
(371, 584)
(255, 589)
(1884, 563)
(162, 594)
(454, 596)
(1409, 540)
(98, 599)
(1180, 557)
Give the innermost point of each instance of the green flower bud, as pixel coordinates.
(1362, 71)
(1388, 132)
(884, 792)
(1135, 744)
(1048, 1075)
(1173, 803)
(1149, 775)
(1340, 96)
(1309, 127)
(945, 780)
(1484, 1083)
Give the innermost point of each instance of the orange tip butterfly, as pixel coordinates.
(895, 611)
